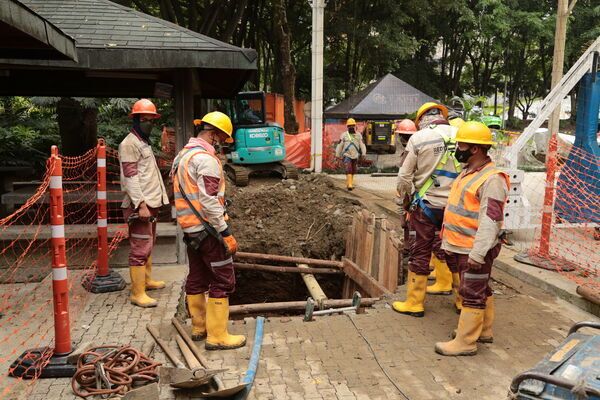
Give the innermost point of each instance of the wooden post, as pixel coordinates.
(313, 287)
(240, 255)
(184, 129)
(276, 268)
(562, 16)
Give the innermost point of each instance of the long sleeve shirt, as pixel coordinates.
(492, 197)
(140, 177)
(424, 151)
(351, 145)
(207, 172)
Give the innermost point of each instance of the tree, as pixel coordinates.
(288, 71)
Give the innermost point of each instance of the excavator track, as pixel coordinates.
(291, 172)
(239, 174)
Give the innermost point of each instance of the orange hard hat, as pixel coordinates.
(144, 106)
(406, 126)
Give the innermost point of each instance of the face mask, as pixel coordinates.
(351, 130)
(146, 127)
(463, 155)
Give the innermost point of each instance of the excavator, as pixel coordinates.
(258, 146)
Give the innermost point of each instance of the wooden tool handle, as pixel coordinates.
(195, 351)
(190, 359)
(166, 348)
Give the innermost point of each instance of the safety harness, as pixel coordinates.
(450, 148)
(351, 144)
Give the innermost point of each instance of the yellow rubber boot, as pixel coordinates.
(197, 308)
(217, 317)
(152, 284)
(138, 288)
(469, 329)
(443, 278)
(415, 296)
(349, 181)
(487, 336)
(457, 296)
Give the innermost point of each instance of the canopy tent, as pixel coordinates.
(386, 98)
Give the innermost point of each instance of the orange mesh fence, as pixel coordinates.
(568, 240)
(25, 259)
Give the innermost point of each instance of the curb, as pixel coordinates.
(547, 281)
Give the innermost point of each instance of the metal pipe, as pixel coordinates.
(274, 268)
(287, 259)
(294, 305)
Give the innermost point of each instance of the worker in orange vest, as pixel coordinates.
(470, 236)
(145, 193)
(199, 188)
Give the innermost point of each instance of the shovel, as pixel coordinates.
(179, 377)
(191, 346)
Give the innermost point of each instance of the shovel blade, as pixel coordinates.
(225, 392)
(182, 378)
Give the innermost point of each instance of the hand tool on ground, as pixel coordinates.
(179, 377)
(200, 373)
(310, 308)
(221, 390)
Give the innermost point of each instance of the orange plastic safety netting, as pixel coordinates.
(25, 257)
(568, 197)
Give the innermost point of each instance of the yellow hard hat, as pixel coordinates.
(350, 121)
(219, 121)
(428, 106)
(457, 122)
(474, 132)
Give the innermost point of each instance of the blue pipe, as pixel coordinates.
(248, 379)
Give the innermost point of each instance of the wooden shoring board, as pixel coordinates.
(368, 241)
(383, 253)
(351, 240)
(395, 250)
(360, 238)
(367, 283)
(376, 246)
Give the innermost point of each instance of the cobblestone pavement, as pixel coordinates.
(328, 358)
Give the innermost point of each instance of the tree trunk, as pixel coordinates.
(288, 71)
(77, 126)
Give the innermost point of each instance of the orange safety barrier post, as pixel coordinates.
(104, 280)
(34, 362)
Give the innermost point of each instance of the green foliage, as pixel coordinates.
(26, 133)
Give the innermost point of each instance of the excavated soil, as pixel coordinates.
(304, 218)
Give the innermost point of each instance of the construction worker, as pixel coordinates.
(199, 188)
(429, 168)
(470, 232)
(350, 148)
(144, 195)
(404, 129)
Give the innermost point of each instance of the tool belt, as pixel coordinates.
(194, 240)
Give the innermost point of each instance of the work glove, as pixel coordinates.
(231, 245)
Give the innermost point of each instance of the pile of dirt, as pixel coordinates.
(306, 217)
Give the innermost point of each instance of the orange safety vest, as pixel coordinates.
(461, 216)
(185, 216)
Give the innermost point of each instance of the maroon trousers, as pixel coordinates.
(427, 241)
(210, 270)
(351, 165)
(474, 284)
(142, 235)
